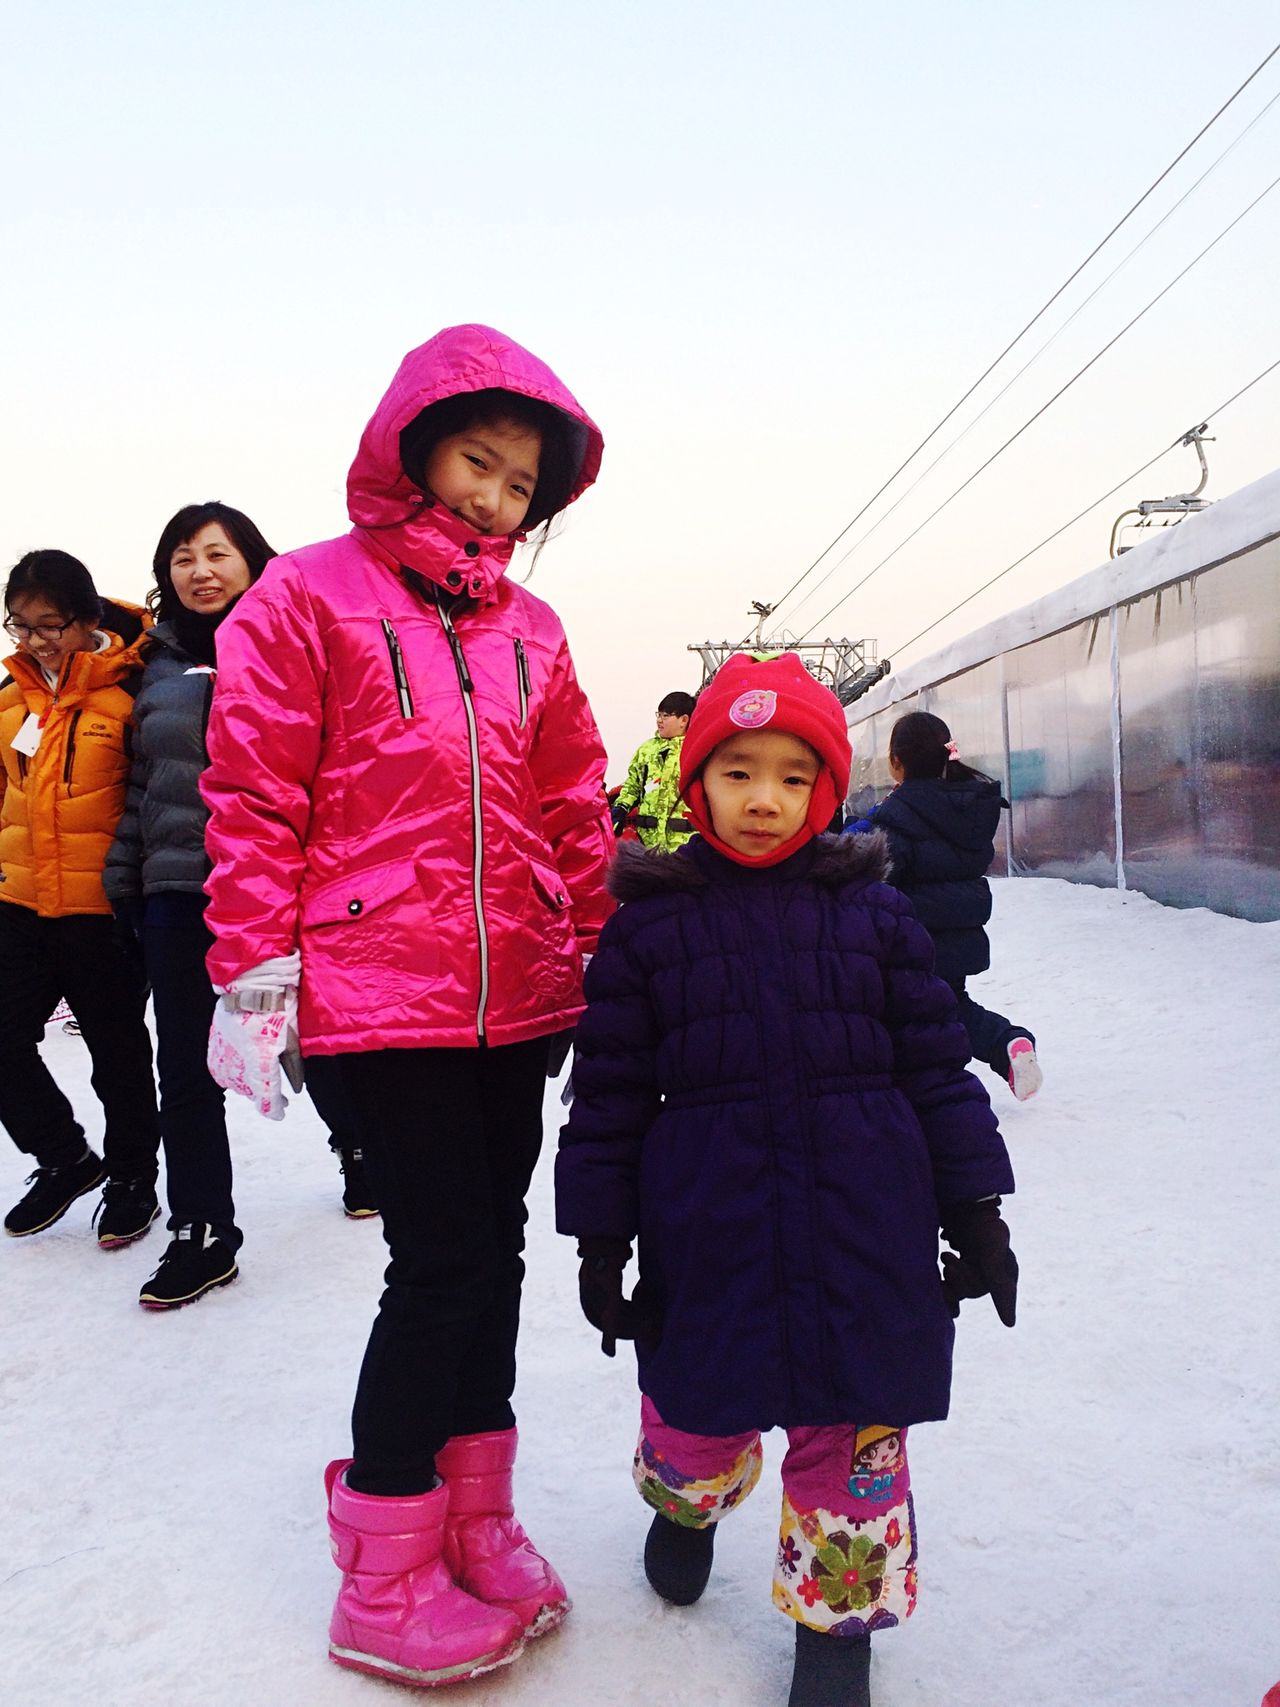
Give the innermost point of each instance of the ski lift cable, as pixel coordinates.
(1038, 315)
(1030, 362)
(1049, 538)
(1061, 391)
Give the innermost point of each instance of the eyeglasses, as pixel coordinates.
(50, 631)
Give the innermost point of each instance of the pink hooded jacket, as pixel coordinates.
(405, 781)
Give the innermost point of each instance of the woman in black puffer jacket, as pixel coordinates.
(207, 556)
(941, 821)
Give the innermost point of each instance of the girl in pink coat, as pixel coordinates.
(409, 840)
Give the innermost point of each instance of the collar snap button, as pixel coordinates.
(472, 548)
(453, 578)
(355, 906)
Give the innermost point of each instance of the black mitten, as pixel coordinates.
(984, 1263)
(619, 815)
(604, 1262)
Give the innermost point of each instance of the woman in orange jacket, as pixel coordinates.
(64, 714)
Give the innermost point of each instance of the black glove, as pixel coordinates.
(127, 911)
(126, 934)
(604, 1262)
(558, 1046)
(985, 1264)
(619, 814)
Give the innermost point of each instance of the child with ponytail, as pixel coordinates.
(941, 822)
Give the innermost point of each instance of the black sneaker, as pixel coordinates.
(53, 1191)
(830, 1667)
(677, 1559)
(357, 1199)
(127, 1210)
(194, 1264)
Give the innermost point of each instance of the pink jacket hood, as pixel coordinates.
(400, 525)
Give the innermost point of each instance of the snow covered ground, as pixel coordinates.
(1099, 1521)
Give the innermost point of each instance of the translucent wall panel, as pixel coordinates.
(1197, 683)
(1058, 695)
(1200, 699)
(869, 779)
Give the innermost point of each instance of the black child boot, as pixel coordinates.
(677, 1560)
(830, 1671)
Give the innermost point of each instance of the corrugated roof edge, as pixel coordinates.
(1228, 527)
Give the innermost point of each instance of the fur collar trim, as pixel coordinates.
(838, 860)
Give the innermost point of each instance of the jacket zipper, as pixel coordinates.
(522, 679)
(71, 750)
(477, 832)
(397, 669)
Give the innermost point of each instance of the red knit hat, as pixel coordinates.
(776, 693)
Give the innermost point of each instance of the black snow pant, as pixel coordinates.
(450, 1140)
(327, 1088)
(193, 1122)
(77, 957)
(990, 1034)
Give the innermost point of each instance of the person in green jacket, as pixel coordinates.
(652, 788)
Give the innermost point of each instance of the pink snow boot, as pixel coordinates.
(486, 1549)
(399, 1612)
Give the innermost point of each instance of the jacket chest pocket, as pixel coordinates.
(399, 673)
(500, 669)
(93, 755)
(523, 685)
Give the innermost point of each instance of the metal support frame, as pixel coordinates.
(838, 664)
(1116, 737)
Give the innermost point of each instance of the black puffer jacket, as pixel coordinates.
(941, 842)
(159, 843)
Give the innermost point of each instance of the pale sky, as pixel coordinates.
(767, 246)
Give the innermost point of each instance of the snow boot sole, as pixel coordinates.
(194, 1297)
(117, 1241)
(354, 1660)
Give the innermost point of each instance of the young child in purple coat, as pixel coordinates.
(771, 1097)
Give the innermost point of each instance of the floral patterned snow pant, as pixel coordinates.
(846, 1559)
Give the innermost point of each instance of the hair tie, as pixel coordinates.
(953, 752)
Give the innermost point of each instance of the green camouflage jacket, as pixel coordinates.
(653, 786)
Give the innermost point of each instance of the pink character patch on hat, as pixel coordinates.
(752, 710)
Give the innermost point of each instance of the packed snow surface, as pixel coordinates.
(1099, 1520)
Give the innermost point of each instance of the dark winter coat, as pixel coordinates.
(159, 842)
(770, 1093)
(941, 844)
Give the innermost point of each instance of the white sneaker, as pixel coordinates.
(1025, 1077)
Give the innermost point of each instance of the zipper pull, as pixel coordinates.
(455, 644)
(464, 675)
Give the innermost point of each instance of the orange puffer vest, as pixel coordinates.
(62, 804)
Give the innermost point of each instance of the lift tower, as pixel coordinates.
(847, 667)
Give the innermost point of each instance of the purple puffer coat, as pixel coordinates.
(770, 1092)
(405, 779)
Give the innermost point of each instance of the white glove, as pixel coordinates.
(254, 1034)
